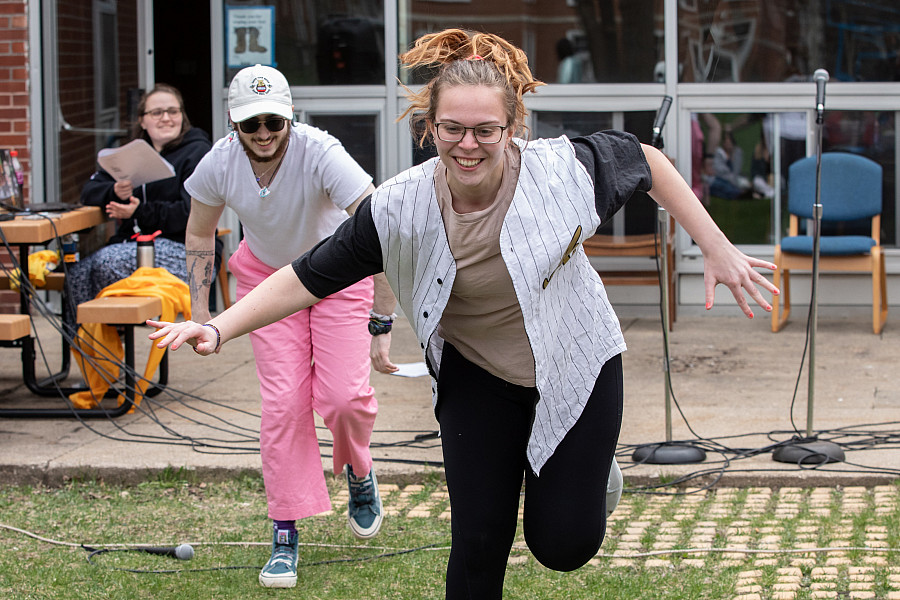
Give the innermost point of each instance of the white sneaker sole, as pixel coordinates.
(277, 581)
(366, 534)
(613, 487)
(371, 531)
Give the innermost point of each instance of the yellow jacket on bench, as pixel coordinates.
(37, 269)
(97, 348)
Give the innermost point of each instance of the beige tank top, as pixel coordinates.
(483, 319)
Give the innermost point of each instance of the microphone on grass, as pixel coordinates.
(182, 552)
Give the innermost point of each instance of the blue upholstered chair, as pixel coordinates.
(850, 191)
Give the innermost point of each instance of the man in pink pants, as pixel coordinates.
(291, 185)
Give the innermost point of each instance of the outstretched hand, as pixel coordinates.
(203, 340)
(736, 271)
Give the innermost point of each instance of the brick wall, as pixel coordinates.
(14, 107)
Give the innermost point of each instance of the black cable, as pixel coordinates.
(663, 281)
(94, 552)
(712, 444)
(850, 436)
(800, 368)
(149, 406)
(108, 355)
(853, 437)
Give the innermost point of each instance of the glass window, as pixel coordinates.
(734, 171)
(567, 41)
(638, 216)
(86, 86)
(316, 42)
(107, 78)
(740, 173)
(554, 123)
(764, 40)
(358, 134)
(869, 134)
(427, 150)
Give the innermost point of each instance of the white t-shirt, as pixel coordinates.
(315, 183)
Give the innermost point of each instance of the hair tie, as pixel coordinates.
(475, 57)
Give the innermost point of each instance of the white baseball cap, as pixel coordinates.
(259, 90)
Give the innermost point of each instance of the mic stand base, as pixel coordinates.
(668, 453)
(809, 452)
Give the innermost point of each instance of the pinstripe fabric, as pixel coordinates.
(570, 324)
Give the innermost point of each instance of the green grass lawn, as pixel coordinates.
(642, 557)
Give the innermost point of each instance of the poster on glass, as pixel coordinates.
(250, 35)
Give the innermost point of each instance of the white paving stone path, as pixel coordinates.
(765, 532)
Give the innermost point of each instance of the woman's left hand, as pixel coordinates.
(118, 210)
(736, 271)
(379, 352)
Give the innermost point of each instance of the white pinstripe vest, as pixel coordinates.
(571, 326)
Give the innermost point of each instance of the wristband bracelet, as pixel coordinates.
(218, 335)
(374, 316)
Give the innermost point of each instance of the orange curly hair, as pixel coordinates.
(468, 58)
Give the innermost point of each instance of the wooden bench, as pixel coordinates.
(120, 310)
(602, 245)
(53, 281)
(14, 327)
(124, 311)
(127, 312)
(50, 386)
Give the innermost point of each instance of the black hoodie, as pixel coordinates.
(167, 204)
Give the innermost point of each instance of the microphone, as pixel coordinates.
(182, 552)
(661, 114)
(820, 77)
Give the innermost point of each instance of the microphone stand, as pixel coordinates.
(811, 450)
(668, 452)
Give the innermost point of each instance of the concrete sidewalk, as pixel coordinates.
(731, 376)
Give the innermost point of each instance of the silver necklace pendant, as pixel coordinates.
(264, 192)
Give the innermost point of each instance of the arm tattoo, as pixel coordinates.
(203, 262)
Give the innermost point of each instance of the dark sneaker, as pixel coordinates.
(613, 487)
(281, 570)
(364, 511)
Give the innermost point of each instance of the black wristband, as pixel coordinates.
(379, 327)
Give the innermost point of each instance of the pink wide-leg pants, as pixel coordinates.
(314, 360)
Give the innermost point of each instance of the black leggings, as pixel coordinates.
(485, 425)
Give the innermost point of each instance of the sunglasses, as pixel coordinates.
(273, 124)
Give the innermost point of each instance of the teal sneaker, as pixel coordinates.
(281, 570)
(613, 487)
(364, 511)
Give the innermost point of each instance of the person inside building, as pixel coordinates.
(482, 247)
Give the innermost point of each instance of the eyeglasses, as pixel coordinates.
(157, 113)
(273, 124)
(484, 134)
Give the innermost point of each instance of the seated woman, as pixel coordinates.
(162, 205)
(727, 181)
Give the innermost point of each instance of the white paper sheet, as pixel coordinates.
(417, 369)
(136, 161)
